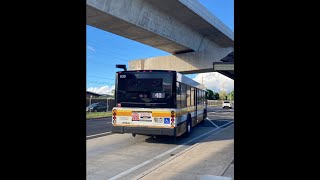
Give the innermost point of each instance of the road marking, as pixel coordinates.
(177, 155)
(221, 120)
(160, 155)
(211, 112)
(212, 123)
(227, 167)
(99, 134)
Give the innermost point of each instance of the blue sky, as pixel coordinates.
(105, 50)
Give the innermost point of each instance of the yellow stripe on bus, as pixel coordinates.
(179, 112)
(154, 113)
(124, 113)
(161, 114)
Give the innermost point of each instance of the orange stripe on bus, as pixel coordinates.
(154, 113)
(124, 113)
(161, 114)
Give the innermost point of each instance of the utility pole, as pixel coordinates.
(202, 78)
(90, 103)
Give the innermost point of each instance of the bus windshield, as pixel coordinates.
(145, 89)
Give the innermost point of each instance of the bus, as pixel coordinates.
(157, 102)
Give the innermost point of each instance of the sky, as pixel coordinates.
(105, 50)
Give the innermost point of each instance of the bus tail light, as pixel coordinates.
(114, 113)
(172, 117)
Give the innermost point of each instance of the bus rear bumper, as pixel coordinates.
(144, 130)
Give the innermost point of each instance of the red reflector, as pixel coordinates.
(119, 104)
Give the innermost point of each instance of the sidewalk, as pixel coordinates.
(211, 159)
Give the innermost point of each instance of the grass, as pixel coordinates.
(92, 115)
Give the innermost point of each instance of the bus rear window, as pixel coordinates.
(145, 89)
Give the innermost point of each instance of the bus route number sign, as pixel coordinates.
(158, 95)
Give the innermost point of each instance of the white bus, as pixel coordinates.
(157, 102)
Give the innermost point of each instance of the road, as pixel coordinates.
(98, 126)
(121, 156)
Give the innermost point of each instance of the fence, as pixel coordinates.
(110, 102)
(217, 102)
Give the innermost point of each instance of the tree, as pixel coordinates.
(215, 96)
(231, 95)
(209, 94)
(223, 95)
(112, 92)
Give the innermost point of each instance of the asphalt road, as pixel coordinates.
(102, 126)
(121, 156)
(98, 126)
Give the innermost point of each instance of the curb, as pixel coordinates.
(98, 118)
(98, 135)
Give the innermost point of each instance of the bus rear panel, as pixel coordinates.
(146, 103)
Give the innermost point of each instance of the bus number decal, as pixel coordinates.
(158, 95)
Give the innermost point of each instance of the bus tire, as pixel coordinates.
(204, 114)
(188, 126)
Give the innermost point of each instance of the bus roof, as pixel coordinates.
(186, 80)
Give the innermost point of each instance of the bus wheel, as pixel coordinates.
(133, 135)
(188, 127)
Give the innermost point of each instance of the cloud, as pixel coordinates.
(91, 48)
(101, 90)
(215, 81)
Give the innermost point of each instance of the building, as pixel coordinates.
(92, 94)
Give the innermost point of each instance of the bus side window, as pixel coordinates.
(183, 95)
(178, 95)
(188, 96)
(202, 96)
(198, 96)
(192, 96)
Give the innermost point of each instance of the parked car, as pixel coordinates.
(97, 107)
(226, 104)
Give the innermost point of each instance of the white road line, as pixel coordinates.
(160, 155)
(212, 123)
(211, 112)
(176, 155)
(222, 120)
(98, 134)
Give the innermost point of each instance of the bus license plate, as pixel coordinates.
(142, 116)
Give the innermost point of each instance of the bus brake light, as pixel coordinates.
(172, 117)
